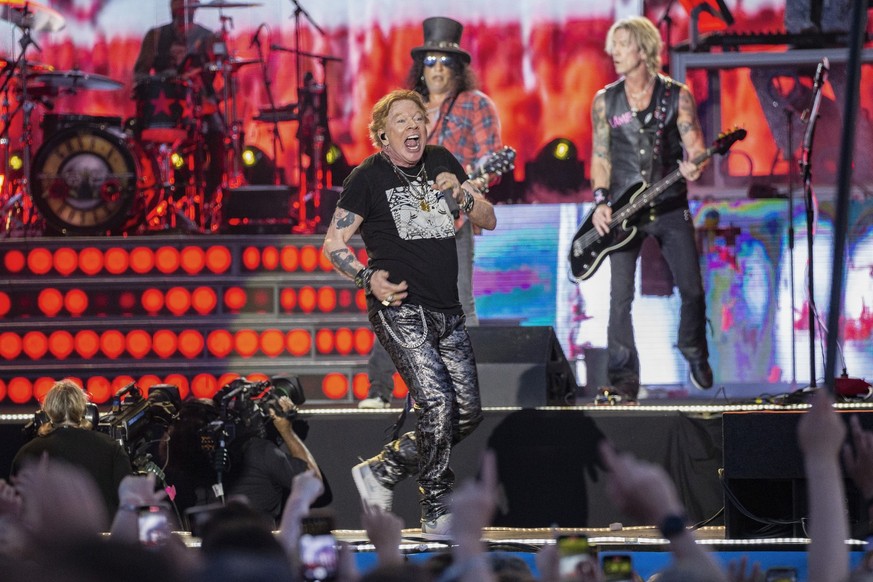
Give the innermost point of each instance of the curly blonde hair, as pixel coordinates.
(379, 115)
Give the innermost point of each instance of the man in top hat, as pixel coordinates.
(463, 120)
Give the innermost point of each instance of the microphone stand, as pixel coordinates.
(667, 20)
(298, 10)
(806, 177)
(789, 115)
(276, 138)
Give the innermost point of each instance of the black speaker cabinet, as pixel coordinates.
(256, 203)
(764, 480)
(522, 366)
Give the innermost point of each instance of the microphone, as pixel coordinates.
(447, 196)
(256, 37)
(821, 75)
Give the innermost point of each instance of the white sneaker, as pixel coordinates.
(371, 491)
(375, 402)
(437, 529)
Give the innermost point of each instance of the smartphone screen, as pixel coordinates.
(575, 556)
(618, 568)
(319, 556)
(153, 526)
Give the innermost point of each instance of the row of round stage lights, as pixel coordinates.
(189, 343)
(193, 260)
(180, 300)
(334, 386)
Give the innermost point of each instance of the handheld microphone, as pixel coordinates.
(821, 73)
(256, 37)
(447, 196)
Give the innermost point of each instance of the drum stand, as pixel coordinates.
(16, 206)
(171, 212)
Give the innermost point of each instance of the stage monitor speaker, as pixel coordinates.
(522, 366)
(257, 203)
(764, 481)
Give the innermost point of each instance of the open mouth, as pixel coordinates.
(413, 142)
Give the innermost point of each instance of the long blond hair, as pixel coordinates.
(646, 37)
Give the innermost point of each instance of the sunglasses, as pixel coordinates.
(444, 60)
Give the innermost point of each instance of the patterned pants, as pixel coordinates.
(434, 356)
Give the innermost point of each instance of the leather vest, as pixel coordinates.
(645, 146)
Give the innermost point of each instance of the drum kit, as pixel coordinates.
(95, 175)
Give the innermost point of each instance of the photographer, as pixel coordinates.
(67, 436)
(260, 469)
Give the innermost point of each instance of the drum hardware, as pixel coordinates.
(73, 80)
(29, 15)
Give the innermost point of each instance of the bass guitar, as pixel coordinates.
(589, 248)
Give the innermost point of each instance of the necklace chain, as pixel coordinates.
(420, 178)
(634, 98)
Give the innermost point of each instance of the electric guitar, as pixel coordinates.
(497, 163)
(589, 248)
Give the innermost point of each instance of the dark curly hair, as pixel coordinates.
(465, 77)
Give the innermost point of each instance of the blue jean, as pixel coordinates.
(443, 383)
(675, 233)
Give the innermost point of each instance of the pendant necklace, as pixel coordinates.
(419, 178)
(634, 98)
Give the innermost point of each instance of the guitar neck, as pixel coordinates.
(654, 191)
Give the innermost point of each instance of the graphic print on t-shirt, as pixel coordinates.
(417, 218)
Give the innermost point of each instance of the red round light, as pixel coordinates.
(289, 258)
(39, 261)
(112, 343)
(204, 300)
(344, 341)
(116, 260)
(152, 300)
(326, 299)
(360, 386)
(245, 342)
(234, 298)
(14, 261)
(299, 342)
(20, 390)
(10, 345)
(34, 344)
(287, 299)
(364, 340)
(90, 261)
(65, 261)
(251, 258)
(60, 344)
(179, 381)
(307, 298)
(193, 260)
(335, 385)
(204, 386)
(50, 301)
(219, 342)
(142, 260)
(99, 389)
(139, 343)
(41, 386)
(218, 259)
(87, 343)
(272, 342)
(76, 301)
(309, 258)
(5, 304)
(178, 300)
(191, 343)
(324, 341)
(270, 258)
(165, 343)
(167, 260)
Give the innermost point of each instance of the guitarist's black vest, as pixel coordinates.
(646, 146)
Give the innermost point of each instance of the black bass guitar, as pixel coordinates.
(589, 248)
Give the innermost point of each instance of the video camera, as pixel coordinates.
(244, 408)
(138, 423)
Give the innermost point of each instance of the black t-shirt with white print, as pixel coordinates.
(408, 232)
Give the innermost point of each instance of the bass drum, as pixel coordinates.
(91, 181)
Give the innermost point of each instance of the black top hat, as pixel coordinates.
(442, 35)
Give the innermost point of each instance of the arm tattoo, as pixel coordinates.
(687, 114)
(344, 262)
(601, 129)
(343, 219)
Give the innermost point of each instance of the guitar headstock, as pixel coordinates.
(498, 163)
(728, 138)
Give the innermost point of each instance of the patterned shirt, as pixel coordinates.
(471, 130)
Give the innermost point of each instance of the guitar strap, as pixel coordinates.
(445, 118)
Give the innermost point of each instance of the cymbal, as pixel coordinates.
(76, 80)
(31, 15)
(218, 4)
(32, 66)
